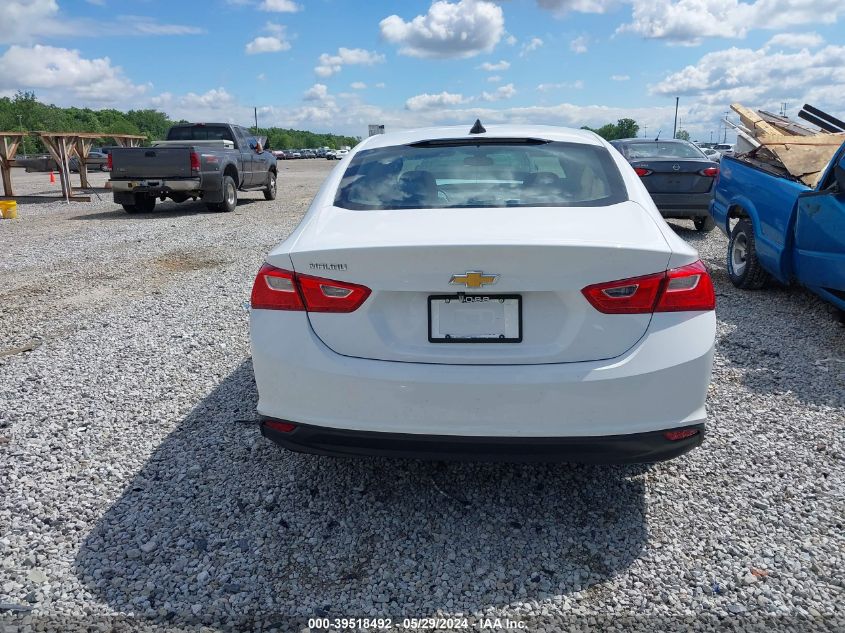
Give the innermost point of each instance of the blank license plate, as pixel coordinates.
(475, 319)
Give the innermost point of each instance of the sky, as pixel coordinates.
(339, 65)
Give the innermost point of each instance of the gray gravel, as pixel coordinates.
(137, 490)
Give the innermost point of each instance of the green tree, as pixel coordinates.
(683, 135)
(623, 128)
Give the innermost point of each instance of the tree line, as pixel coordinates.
(25, 112)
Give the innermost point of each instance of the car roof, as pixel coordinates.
(545, 132)
(651, 140)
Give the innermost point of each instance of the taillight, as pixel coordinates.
(641, 171)
(326, 295)
(277, 289)
(108, 161)
(687, 288)
(280, 425)
(195, 161)
(711, 172)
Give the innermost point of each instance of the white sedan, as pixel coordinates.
(509, 293)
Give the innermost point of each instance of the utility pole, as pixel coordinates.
(711, 136)
(725, 140)
(255, 111)
(675, 129)
(645, 131)
(23, 138)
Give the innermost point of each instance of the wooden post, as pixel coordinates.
(8, 148)
(83, 148)
(60, 146)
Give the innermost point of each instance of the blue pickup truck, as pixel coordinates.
(780, 228)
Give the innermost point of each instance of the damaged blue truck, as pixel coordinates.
(779, 228)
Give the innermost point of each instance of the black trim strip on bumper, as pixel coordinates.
(609, 449)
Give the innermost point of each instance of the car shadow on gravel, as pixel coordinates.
(164, 210)
(222, 524)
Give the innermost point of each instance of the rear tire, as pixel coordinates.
(704, 224)
(270, 190)
(744, 268)
(145, 204)
(130, 208)
(230, 197)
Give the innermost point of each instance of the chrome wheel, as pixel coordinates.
(230, 194)
(739, 253)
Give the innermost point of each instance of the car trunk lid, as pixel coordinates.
(675, 175)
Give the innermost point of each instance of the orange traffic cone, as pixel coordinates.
(52, 178)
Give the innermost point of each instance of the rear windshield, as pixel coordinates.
(651, 149)
(200, 133)
(458, 174)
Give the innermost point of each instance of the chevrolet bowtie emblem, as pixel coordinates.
(473, 279)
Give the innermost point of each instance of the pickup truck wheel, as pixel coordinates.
(270, 190)
(145, 204)
(704, 224)
(744, 268)
(230, 197)
(130, 208)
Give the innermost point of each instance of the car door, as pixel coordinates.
(819, 235)
(247, 146)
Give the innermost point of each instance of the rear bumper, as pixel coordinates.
(155, 186)
(637, 448)
(682, 205)
(660, 383)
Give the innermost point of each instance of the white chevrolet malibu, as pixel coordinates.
(509, 293)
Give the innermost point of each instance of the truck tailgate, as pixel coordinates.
(151, 162)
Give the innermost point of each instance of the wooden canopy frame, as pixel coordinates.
(62, 147)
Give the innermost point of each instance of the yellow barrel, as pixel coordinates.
(8, 209)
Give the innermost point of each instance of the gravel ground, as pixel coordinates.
(136, 490)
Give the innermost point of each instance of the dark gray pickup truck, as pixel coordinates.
(207, 161)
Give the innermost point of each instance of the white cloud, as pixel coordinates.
(688, 22)
(449, 30)
(502, 92)
(620, 77)
(280, 6)
(494, 79)
(759, 78)
(381, 84)
(64, 71)
(261, 77)
(317, 92)
(577, 85)
(500, 65)
(329, 65)
(358, 85)
(531, 45)
(273, 43)
(270, 44)
(562, 7)
(579, 44)
(510, 40)
(29, 21)
(426, 101)
(214, 105)
(795, 40)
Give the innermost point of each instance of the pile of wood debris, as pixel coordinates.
(787, 147)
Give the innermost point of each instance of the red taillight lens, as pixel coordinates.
(636, 295)
(277, 289)
(680, 434)
(108, 161)
(195, 161)
(279, 425)
(327, 295)
(711, 172)
(640, 171)
(687, 288)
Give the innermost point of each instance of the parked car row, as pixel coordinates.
(292, 154)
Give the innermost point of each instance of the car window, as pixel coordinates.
(461, 173)
(200, 133)
(658, 149)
